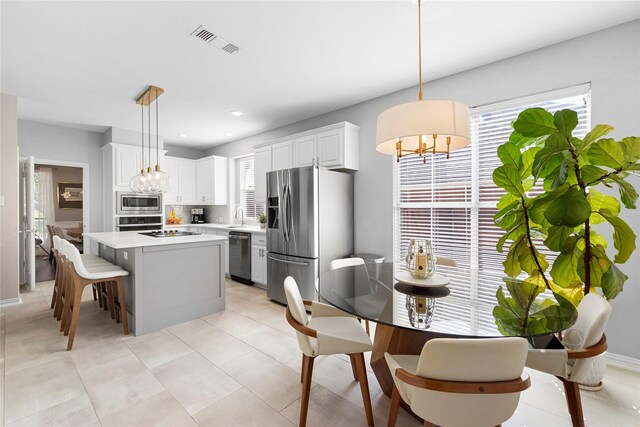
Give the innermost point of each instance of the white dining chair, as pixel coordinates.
(570, 365)
(457, 382)
(328, 331)
(349, 262)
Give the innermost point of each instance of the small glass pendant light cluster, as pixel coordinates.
(150, 181)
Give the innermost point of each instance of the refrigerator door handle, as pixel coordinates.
(288, 213)
(288, 262)
(285, 231)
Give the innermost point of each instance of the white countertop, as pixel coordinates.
(133, 239)
(221, 227)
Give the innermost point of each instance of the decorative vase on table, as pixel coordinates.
(421, 263)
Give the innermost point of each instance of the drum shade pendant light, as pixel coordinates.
(425, 126)
(153, 180)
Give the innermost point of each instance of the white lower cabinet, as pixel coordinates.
(259, 258)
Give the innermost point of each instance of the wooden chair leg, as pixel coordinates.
(353, 367)
(364, 386)
(304, 367)
(95, 296)
(123, 307)
(110, 297)
(366, 326)
(307, 368)
(395, 406)
(574, 403)
(73, 324)
(427, 424)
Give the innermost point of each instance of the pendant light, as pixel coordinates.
(156, 180)
(425, 126)
(136, 182)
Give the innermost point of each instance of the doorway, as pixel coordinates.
(55, 201)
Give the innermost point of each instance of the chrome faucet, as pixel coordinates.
(241, 216)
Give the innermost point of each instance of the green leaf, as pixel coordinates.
(513, 233)
(606, 152)
(565, 121)
(598, 264)
(511, 263)
(551, 155)
(631, 149)
(565, 269)
(628, 193)
(521, 141)
(591, 174)
(613, 281)
(509, 154)
(624, 239)
(527, 261)
(527, 159)
(508, 177)
(541, 203)
(534, 122)
(571, 209)
(596, 133)
(559, 316)
(557, 237)
(561, 175)
(600, 201)
(509, 215)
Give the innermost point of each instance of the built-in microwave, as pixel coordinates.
(138, 203)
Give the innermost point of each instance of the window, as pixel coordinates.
(246, 189)
(452, 202)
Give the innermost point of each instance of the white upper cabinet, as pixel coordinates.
(281, 155)
(305, 151)
(334, 147)
(211, 180)
(127, 163)
(182, 173)
(261, 165)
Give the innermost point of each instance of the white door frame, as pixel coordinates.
(86, 194)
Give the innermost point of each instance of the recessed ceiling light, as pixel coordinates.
(228, 134)
(183, 135)
(237, 113)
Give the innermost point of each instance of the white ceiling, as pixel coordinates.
(82, 64)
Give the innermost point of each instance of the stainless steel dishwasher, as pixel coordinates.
(240, 257)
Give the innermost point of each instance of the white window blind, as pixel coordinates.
(452, 201)
(246, 188)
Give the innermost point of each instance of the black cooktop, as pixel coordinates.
(168, 233)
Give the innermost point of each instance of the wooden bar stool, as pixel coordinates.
(76, 276)
(89, 261)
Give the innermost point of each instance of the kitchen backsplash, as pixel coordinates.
(213, 214)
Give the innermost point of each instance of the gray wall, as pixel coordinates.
(9, 214)
(49, 142)
(609, 59)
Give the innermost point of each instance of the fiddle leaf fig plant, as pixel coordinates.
(542, 149)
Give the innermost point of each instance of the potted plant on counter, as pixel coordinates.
(262, 220)
(564, 218)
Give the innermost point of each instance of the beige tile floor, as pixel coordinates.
(236, 368)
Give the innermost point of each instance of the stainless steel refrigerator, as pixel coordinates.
(309, 223)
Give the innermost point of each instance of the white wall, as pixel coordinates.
(609, 59)
(9, 213)
(51, 142)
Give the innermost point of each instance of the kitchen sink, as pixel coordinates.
(235, 226)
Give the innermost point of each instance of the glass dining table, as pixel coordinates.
(407, 316)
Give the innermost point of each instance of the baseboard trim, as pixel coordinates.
(10, 301)
(623, 362)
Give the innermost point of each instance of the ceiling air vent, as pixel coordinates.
(215, 40)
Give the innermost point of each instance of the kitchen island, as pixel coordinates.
(171, 279)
